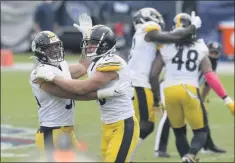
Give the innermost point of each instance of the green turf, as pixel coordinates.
(19, 108)
(25, 57)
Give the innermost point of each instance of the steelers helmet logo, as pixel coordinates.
(52, 36)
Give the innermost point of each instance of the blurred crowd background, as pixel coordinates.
(21, 20)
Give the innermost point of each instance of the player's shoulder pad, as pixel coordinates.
(45, 67)
(151, 26)
(109, 63)
(203, 49)
(202, 45)
(159, 46)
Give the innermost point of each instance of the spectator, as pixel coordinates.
(45, 17)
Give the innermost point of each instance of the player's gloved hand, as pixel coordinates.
(229, 103)
(196, 20)
(85, 24)
(116, 90)
(45, 74)
(159, 109)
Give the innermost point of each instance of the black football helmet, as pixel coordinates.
(214, 49)
(100, 42)
(48, 48)
(181, 20)
(148, 14)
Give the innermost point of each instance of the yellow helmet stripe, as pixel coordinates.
(178, 21)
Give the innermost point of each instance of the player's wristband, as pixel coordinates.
(156, 100)
(102, 93)
(214, 82)
(227, 100)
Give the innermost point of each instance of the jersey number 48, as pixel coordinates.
(190, 63)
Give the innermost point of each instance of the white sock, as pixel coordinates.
(135, 150)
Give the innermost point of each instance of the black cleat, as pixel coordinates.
(162, 154)
(213, 149)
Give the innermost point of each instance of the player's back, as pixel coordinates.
(141, 56)
(182, 64)
(116, 108)
(53, 111)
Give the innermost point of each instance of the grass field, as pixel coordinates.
(19, 109)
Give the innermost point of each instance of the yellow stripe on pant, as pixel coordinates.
(46, 141)
(119, 140)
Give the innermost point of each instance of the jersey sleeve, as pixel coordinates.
(204, 49)
(151, 26)
(109, 64)
(44, 68)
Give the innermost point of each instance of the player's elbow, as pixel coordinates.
(83, 90)
(153, 78)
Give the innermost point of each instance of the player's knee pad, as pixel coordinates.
(180, 131)
(146, 128)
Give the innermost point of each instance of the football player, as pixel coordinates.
(55, 113)
(120, 128)
(182, 63)
(56, 106)
(164, 126)
(146, 42)
(214, 54)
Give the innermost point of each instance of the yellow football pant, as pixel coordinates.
(46, 141)
(143, 104)
(119, 140)
(183, 102)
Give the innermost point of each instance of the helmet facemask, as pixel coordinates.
(94, 48)
(52, 54)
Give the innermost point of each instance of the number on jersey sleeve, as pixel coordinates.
(39, 105)
(132, 47)
(102, 101)
(69, 106)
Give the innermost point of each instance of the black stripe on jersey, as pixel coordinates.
(93, 65)
(142, 101)
(126, 140)
(48, 145)
(205, 120)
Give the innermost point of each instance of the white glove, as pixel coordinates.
(195, 20)
(116, 90)
(229, 103)
(85, 24)
(45, 74)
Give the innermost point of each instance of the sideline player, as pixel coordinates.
(148, 37)
(120, 128)
(164, 125)
(182, 99)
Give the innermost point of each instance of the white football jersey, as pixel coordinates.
(53, 111)
(142, 55)
(117, 108)
(182, 66)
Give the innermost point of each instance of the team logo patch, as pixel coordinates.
(15, 138)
